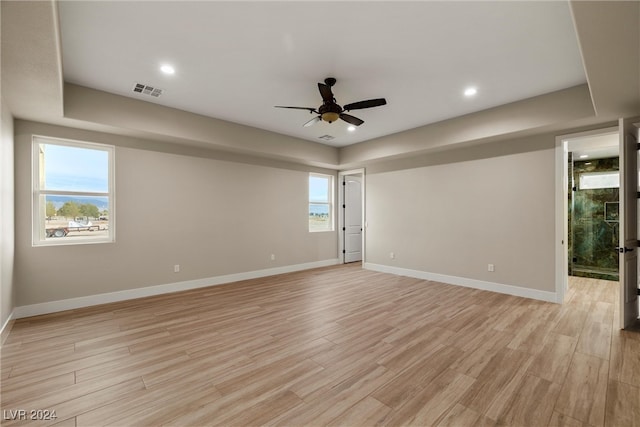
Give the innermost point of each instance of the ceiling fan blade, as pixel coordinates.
(312, 110)
(350, 119)
(365, 104)
(325, 91)
(312, 121)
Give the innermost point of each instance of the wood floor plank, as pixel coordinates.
(75, 400)
(335, 402)
(584, 391)
(460, 416)
(104, 396)
(573, 318)
(514, 318)
(166, 410)
(531, 404)
(38, 358)
(462, 317)
(267, 409)
(623, 405)
(120, 339)
(625, 357)
(443, 401)
(173, 341)
(475, 359)
(367, 412)
(531, 338)
(561, 420)
(69, 422)
(354, 363)
(404, 386)
(230, 405)
(412, 349)
(52, 367)
(5, 372)
(202, 409)
(427, 405)
(192, 369)
(361, 347)
(500, 370)
(19, 392)
(263, 374)
(143, 403)
(595, 338)
(554, 359)
(504, 397)
(338, 346)
(67, 333)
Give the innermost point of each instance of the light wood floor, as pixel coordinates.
(335, 346)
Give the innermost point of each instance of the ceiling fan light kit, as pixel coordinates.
(330, 116)
(330, 111)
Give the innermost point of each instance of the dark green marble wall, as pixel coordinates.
(593, 238)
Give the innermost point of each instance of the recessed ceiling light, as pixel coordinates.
(470, 91)
(167, 69)
(351, 128)
(584, 156)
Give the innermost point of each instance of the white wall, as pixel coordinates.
(457, 217)
(6, 215)
(210, 216)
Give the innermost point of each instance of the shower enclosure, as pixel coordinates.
(593, 218)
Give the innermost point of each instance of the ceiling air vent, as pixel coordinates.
(147, 90)
(327, 137)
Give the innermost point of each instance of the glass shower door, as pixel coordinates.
(594, 219)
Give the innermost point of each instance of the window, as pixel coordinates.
(320, 202)
(73, 192)
(596, 180)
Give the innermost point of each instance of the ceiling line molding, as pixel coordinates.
(535, 113)
(610, 53)
(96, 106)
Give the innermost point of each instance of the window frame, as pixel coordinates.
(587, 175)
(38, 210)
(330, 202)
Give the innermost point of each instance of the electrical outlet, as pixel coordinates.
(491, 267)
(176, 268)
(273, 257)
(392, 255)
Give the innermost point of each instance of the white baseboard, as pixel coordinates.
(463, 281)
(4, 327)
(87, 301)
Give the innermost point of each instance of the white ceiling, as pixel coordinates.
(601, 146)
(236, 60)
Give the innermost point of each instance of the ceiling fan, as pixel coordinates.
(330, 111)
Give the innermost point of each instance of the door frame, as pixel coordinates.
(562, 207)
(628, 237)
(341, 175)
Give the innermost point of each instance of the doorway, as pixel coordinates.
(587, 242)
(573, 255)
(351, 234)
(593, 206)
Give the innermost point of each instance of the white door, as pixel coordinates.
(352, 218)
(628, 222)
